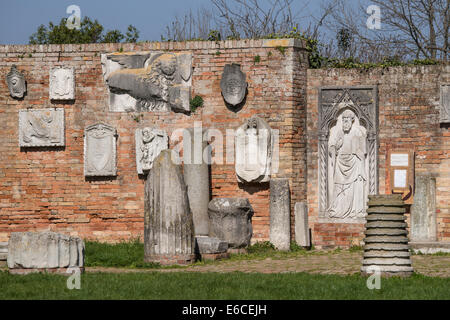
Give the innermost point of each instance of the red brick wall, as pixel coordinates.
(45, 188)
(408, 119)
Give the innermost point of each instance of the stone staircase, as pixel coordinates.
(3, 251)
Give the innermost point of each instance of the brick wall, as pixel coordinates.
(45, 188)
(408, 119)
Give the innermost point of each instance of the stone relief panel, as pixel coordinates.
(348, 151)
(148, 81)
(233, 85)
(445, 103)
(41, 127)
(62, 83)
(254, 149)
(149, 144)
(100, 150)
(16, 83)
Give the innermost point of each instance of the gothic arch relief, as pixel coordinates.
(348, 151)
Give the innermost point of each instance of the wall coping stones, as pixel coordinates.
(169, 45)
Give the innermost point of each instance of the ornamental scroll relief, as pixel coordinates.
(348, 151)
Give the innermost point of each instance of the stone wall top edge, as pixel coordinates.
(185, 45)
(385, 70)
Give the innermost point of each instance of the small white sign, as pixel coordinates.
(400, 178)
(399, 160)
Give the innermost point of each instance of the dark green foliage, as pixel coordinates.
(344, 39)
(214, 35)
(89, 32)
(256, 59)
(196, 102)
(261, 247)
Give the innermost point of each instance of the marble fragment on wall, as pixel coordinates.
(149, 144)
(62, 83)
(100, 150)
(41, 127)
(148, 81)
(254, 149)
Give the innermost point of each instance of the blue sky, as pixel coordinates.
(20, 18)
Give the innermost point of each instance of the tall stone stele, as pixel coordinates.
(168, 223)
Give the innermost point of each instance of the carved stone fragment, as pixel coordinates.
(231, 221)
(148, 81)
(445, 103)
(41, 127)
(280, 214)
(35, 251)
(233, 85)
(149, 143)
(16, 83)
(62, 83)
(100, 150)
(168, 225)
(348, 148)
(254, 149)
(196, 176)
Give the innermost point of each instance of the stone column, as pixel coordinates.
(280, 214)
(301, 225)
(168, 223)
(423, 210)
(386, 246)
(196, 177)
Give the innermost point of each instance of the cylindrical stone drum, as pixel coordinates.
(386, 246)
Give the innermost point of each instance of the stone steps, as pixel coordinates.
(3, 251)
(386, 246)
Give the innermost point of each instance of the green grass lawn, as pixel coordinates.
(227, 286)
(222, 286)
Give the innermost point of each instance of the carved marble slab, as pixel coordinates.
(445, 103)
(16, 83)
(233, 85)
(149, 144)
(348, 151)
(41, 127)
(100, 150)
(62, 83)
(148, 81)
(254, 148)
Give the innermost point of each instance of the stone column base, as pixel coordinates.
(167, 260)
(60, 271)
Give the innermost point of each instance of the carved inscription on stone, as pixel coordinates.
(100, 150)
(41, 127)
(149, 144)
(62, 83)
(348, 143)
(233, 85)
(445, 104)
(16, 83)
(148, 81)
(254, 148)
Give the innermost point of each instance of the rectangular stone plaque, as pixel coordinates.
(62, 83)
(401, 169)
(445, 103)
(399, 159)
(41, 127)
(100, 150)
(400, 178)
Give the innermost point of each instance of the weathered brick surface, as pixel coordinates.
(408, 119)
(44, 188)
